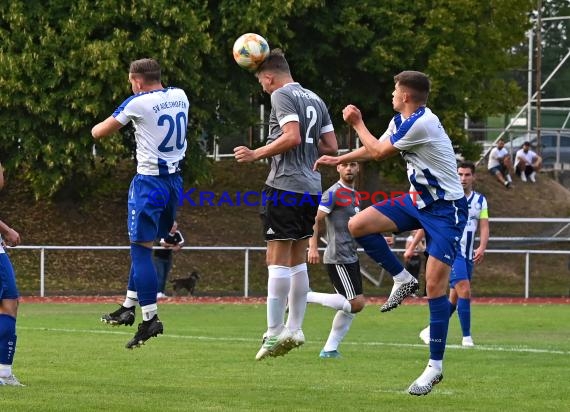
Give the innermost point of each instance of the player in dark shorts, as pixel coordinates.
(338, 204)
(300, 130)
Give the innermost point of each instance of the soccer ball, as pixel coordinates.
(250, 50)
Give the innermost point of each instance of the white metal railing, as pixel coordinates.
(247, 249)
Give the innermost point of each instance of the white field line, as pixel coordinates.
(490, 348)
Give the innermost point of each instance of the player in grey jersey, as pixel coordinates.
(300, 131)
(338, 204)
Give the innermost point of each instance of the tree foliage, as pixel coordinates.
(63, 67)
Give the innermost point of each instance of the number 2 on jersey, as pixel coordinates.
(177, 126)
(312, 117)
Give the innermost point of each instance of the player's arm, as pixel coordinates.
(328, 144)
(107, 127)
(313, 253)
(378, 149)
(290, 138)
(411, 246)
(358, 155)
(484, 239)
(11, 237)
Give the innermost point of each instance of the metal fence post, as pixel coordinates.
(246, 274)
(526, 275)
(42, 272)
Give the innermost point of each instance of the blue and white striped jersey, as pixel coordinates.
(431, 164)
(477, 205)
(160, 118)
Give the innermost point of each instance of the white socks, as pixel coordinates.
(149, 311)
(5, 371)
(340, 326)
(298, 296)
(331, 300)
(278, 286)
(403, 277)
(437, 364)
(131, 299)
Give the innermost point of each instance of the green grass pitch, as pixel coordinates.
(205, 362)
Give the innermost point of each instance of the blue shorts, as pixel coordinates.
(152, 205)
(443, 222)
(8, 289)
(461, 270)
(496, 169)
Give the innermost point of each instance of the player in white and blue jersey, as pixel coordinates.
(436, 203)
(160, 118)
(462, 270)
(9, 296)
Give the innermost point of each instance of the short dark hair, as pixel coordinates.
(526, 143)
(274, 62)
(467, 165)
(148, 69)
(418, 82)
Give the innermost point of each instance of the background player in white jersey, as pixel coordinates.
(460, 279)
(338, 204)
(300, 129)
(8, 303)
(435, 202)
(160, 118)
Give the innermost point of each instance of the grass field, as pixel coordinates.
(205, 362)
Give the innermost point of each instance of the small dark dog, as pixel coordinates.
(188, 283)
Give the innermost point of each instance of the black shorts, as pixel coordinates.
(287, 215)
(346, 278)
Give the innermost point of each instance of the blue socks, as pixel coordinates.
(464, 314)
(377, 248)
(7, 339)
(132, 285)
(438, 324)
(144, 274)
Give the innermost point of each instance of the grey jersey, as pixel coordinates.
(293, 170)
(340, 203)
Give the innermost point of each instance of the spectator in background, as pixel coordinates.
(500, 164)
(527, 163)
(163, 257)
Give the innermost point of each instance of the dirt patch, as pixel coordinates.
(260, 300)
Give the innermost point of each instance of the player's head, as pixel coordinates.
(526, 147)
(411, 87)
(466, 172)
(273, 72)
(143, 73)
(347, 172)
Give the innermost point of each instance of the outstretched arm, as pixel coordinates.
(377, 149)
(107, 127)
(290, 138)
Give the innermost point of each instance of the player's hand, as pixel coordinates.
(11, 237)
(244, 154)
(408, 253)
(326, 160)
(479, 256)
(313, 256)
(351, 115)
